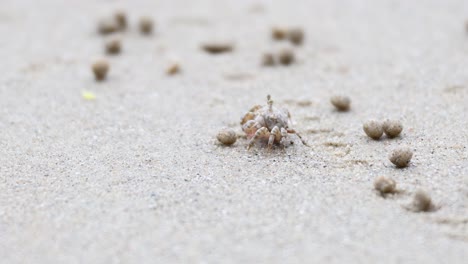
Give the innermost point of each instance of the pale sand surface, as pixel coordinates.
(136, 176)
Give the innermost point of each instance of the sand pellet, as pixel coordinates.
(100, 69)
(286, 56)
(341, 102)
(296, 36)
(217, 47)
(268, 59)
(278, 33)
(422, 202)
(107, 26)
(174, 68)
(373, 129)
(392, 128)
(146, 25)
(121, 19)
(401, 157)
(113, 46)
(227, 136)
(384, 185)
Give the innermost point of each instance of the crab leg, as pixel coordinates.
(292, 131)
(274, 134)
(284, 134)
(263, 131)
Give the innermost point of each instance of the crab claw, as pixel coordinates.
(250, 128)
(247, 117)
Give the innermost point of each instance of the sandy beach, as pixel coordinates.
(137, 176)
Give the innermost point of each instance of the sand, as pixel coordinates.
(136, 175)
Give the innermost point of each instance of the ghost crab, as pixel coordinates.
(268, 123)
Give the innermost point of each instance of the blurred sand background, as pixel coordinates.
(136, 176)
